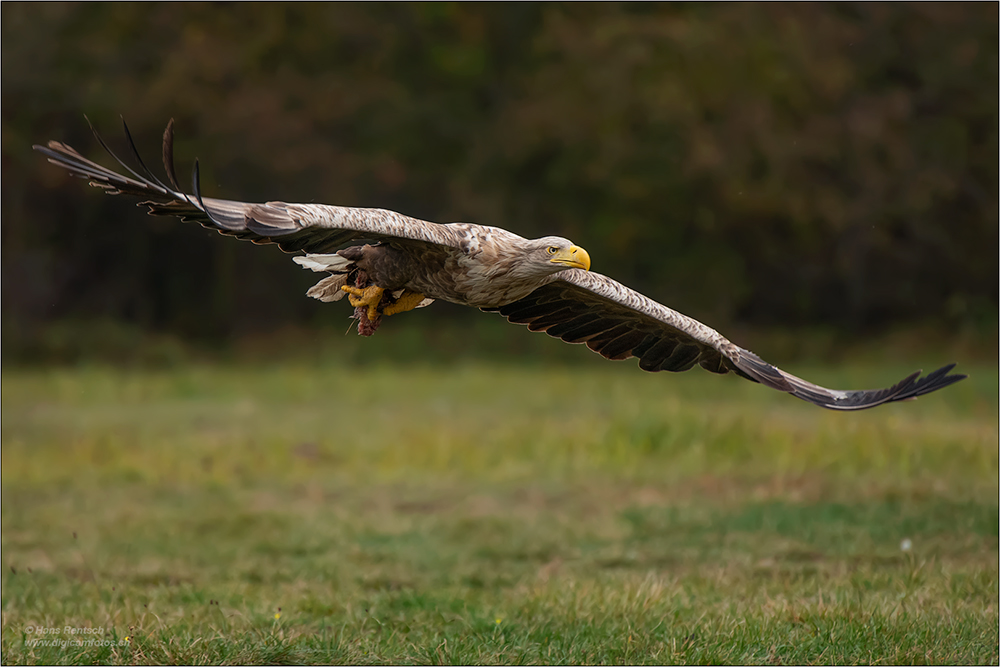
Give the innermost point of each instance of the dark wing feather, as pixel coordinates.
(618, 323)
(313, 228)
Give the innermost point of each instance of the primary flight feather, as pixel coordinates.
(544, 283)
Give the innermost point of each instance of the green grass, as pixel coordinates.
(487, 514)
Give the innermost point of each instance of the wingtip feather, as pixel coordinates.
(168, 155)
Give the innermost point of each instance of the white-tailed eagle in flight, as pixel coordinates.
(544, 283)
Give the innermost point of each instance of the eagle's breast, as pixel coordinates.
(479, 272)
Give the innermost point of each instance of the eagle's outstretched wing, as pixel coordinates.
(618, 323)
(313, 228)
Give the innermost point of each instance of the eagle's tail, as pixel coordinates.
(327, 289)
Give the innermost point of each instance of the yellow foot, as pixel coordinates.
(407, 301)
(369, 296)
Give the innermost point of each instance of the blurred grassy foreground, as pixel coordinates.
(476, 513)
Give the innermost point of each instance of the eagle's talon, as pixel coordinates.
(369, 296)
(407, 301)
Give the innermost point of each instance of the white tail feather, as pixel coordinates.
(328, 289)
(332, 262)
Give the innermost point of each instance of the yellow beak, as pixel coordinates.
(574, 257)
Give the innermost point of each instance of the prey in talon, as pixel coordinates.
(371, 302)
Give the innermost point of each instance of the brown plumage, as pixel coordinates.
(543, 283)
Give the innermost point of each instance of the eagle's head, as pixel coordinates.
(552, 254)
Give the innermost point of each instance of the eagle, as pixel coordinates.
(387, 263)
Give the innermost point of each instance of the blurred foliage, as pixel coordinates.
(748, 164)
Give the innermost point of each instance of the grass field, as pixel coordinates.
(472, 513)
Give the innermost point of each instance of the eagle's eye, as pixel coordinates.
(552, 250)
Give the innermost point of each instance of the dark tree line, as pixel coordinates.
(745, 163)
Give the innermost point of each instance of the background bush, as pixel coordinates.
(748, 164)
